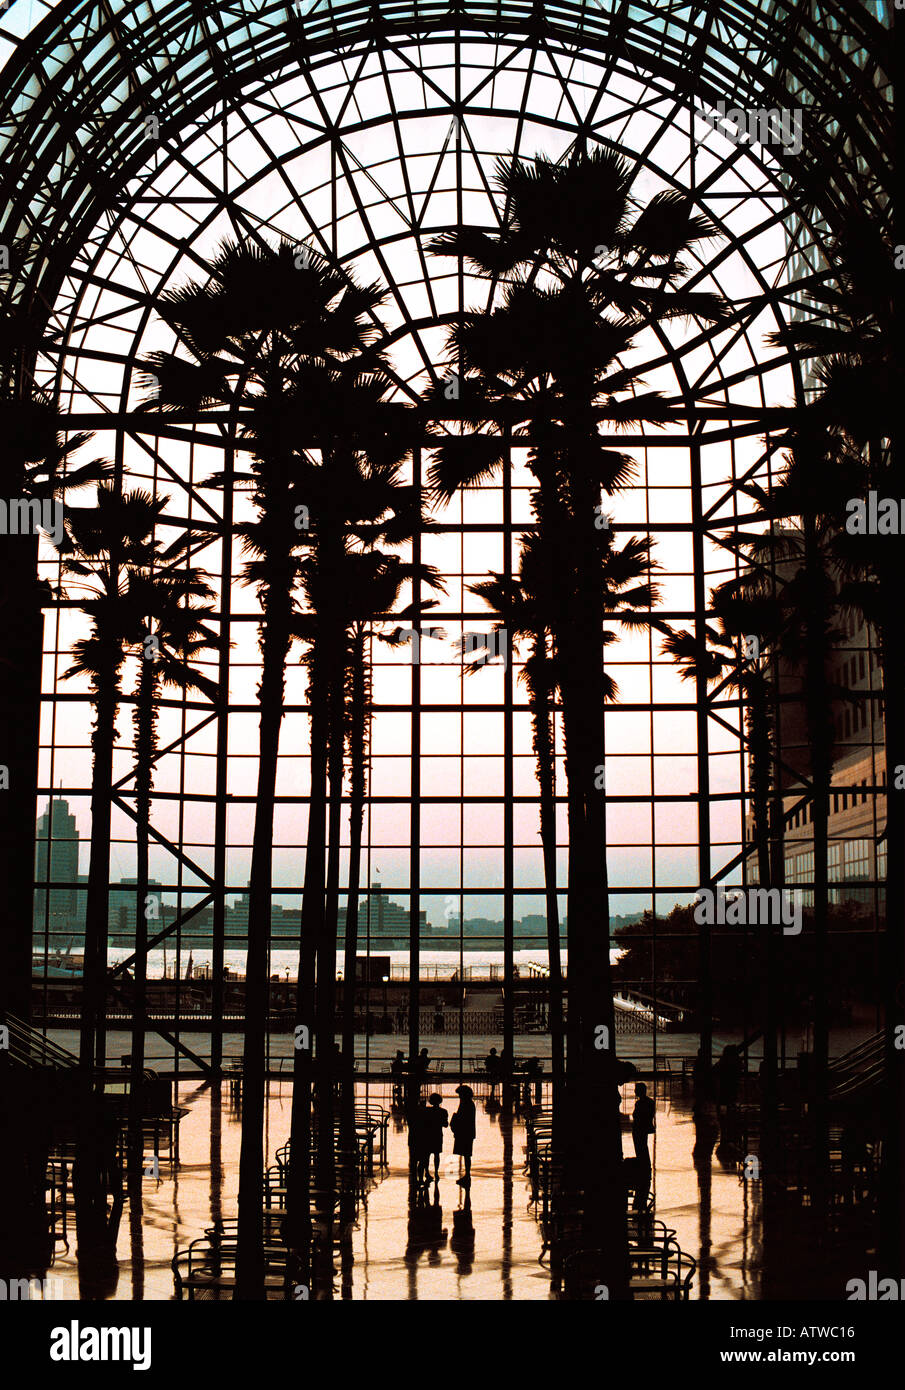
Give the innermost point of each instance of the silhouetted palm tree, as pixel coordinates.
(107, 543)
(740, 655)
(376, 580)
(584, 278)
(852, 336)
(173, 635)
(38, 469)
(725, 662)
(793, 566)
(523, 607)
(357, 500)
(269, 332)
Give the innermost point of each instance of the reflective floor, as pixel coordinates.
(450, 1247)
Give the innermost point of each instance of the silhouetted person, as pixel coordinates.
(533, 1073)
(492, 1068)
(642, 1126)
(462, 1125)
(728, 1071)
(436, 1120)
(420, 1138)
(397, 1071)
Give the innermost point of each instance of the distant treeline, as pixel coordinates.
(739, 963)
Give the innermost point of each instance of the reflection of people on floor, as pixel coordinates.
(642, 1126)
(462, 1240)
(425, 1227)
(462, 1125)
(436, 1119)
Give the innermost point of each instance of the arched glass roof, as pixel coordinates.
(81, 80)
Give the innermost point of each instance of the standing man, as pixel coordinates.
(642, 1126)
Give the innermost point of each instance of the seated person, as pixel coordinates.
(492, 1068)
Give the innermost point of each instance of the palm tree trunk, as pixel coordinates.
(358, 732)
(592, 1088)
(326, 966)
(90, 1196)
(544, 752)
(93, 1048)
(144, 725)
(761, 773)
(298, 1197)
(250, 1252)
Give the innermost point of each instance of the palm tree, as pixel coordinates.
(851, 333)
(584, 278)
(752, 673)
(375, 582)
(265, 333)
(526, 606)
(173, 636)
(107, 543)
(39, 471)
(523, 607)
(807, 602)
(725, 663)
(356, 500)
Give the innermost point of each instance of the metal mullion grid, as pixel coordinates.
(653, 804)
(367, 981)
(778, 762)
(508, 775)
(462, 678)
(221, 819)
(51, 768)
(460, 296)
(875, 895)
(180, 833)
(745, 795)
(703, 742)
(184, 758)
(415, 809)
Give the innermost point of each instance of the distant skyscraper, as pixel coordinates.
(123, 905)
(56, 861)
